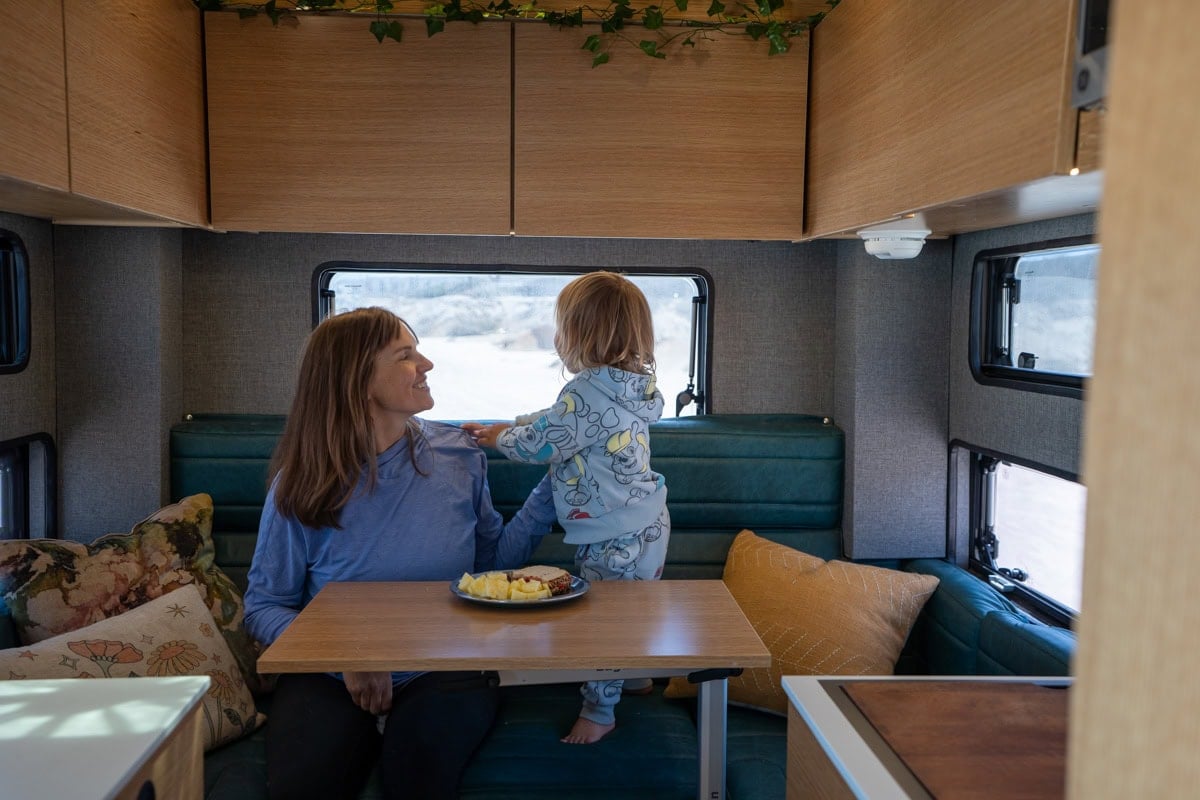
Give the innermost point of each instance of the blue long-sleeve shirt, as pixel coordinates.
(410, 528)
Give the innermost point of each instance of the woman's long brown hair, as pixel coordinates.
(328, 440)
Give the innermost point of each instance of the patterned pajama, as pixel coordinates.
(637, 556)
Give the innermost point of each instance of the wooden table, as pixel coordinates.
(104, 739)
(922, 737)
(619, 629)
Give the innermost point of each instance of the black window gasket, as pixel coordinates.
(1041, 606)
(16, 452)
(989, 268)
(14, 304)
(703, 302)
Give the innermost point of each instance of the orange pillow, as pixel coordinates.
(816, 617)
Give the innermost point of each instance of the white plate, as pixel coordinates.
(579, 587)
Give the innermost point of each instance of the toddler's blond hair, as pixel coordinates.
(604, 321)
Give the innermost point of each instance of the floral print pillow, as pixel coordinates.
(172, 635)
(53, 586)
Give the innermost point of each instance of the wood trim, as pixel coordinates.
(176, 768)
(136, 98)
(33, 97)
(707, 144)
(916, 110)
(1136, 701)
(1090, 140)
(313, 126)
(810, 773)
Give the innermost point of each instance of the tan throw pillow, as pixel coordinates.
(816, 617)
(54, 586)
(173, 635)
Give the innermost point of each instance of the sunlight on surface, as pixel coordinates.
(77, 709)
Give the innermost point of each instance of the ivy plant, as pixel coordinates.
(663, 24)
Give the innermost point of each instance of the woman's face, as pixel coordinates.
(398, 384)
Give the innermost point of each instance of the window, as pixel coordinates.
(490, 334)
(1027, 530)
(28, 473)
(14, 304)
(1033, 317)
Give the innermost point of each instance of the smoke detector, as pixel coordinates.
(902, 238)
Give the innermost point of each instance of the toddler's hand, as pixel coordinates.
(485, 435)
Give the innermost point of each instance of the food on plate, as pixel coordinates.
(528, 583)
(558, 581)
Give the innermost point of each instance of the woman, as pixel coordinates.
(363, 490)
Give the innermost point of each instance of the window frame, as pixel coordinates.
(17, 452)
(979, 563)
(15, 332)
(703, 305)
(985, 291)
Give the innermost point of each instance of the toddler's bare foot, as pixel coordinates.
(584, 731)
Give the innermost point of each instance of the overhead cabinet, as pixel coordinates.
(706, 144)
(102, 112)
(314, 126)
(499, 127)
(954, 107)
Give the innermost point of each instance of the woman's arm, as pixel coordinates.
(500, 546)
(278, 571)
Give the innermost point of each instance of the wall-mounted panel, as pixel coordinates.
(314, 126)
(706, 144)
(136, 101)
(33, 100)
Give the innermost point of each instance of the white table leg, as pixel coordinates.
(711, 724)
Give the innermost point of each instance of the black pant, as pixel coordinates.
(321, 745)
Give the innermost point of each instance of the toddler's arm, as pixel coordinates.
(485, 435)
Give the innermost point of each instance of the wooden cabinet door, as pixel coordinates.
(314, 126)
(33, 99)
(707, 144)
(136, 100)
(930, 102)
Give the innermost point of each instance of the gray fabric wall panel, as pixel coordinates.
(891, 399)
(247, 308)
(118, 305)
(997, 417)
(27, 397)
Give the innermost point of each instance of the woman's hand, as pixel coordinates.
(485, 435)
(371, 691)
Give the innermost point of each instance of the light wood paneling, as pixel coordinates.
(66, 208)
(313, 126)
(33, 99)
(136, 101)
(1089, 141)
(918, 104)
(707, 144)
(176, 768)
(1135, 715)
(810, 773)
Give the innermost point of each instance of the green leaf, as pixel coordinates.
(210, 5)
(601, 58)
(689, 41)
(386, 30)
(716, 8)
(755, 30)
(653, 18)
(246, 13)
(434, 25)
(681, 4)
(650, 48)
(591, 43)
(779, 42)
